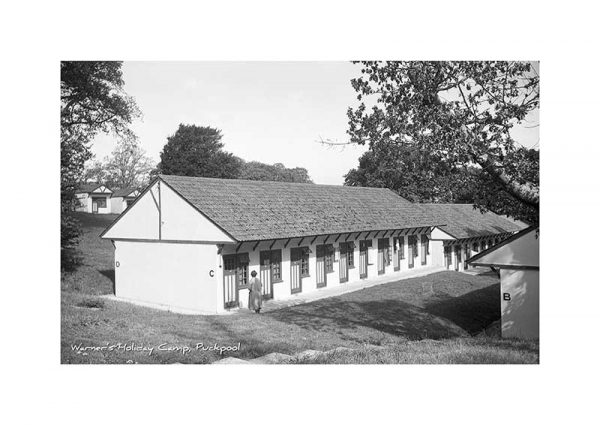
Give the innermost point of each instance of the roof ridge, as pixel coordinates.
(273, 182)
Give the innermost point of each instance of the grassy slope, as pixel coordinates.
(447, 307)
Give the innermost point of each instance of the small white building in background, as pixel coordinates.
(93, 198)
(518, 259)
(121, 199)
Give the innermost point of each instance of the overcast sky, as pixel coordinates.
(267, 111)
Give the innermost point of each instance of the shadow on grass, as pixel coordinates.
(473, 311)
(393, 317)
(110, 274)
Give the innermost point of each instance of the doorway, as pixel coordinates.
(235, 277)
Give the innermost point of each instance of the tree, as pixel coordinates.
(254, 170)
(127, 166)
(411, 174)
(198, 151)
(92, 101)
(459, 114)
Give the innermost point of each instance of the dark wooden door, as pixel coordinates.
(363, 259)
(344, 262)
(458, 257)
(295, 272)
(411, 251)
(447, 257)
(396, 254)
(321, 272)
(381, 256)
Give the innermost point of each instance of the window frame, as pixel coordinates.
(99, 200)
(304, 262)
(328, 257)
(350, 254)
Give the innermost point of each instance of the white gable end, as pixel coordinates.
(140, 221)
(179, 221)
(438, 234)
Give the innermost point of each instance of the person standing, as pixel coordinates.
(255, 293)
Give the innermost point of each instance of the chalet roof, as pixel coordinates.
(261, 210)
(465, 221)
(123, 192)
(89, 187)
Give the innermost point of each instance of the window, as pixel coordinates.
(101, 202)
(388, 253)
(272, 261)
(329, 256)
(276, 265)
(243, 261)
(476, 247)
(238, 264)
(304, 270)
(350, 248)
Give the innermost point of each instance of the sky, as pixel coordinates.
(267, 111)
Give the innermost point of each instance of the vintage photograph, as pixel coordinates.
(275, 212)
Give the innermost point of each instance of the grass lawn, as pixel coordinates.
(430, 319)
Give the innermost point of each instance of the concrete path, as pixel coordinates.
(344, 288)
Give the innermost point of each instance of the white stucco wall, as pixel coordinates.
(180, 221)
(140, 222)
(520, 314)
(282, 290)
(169, 274)
(117, 204)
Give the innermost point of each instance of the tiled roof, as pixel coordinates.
(88, 187)
(123, 192)
(260, 210)
(464, 221)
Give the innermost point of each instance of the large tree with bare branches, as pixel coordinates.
(92, 100)
(459, 114)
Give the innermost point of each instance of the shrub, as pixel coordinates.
(70, 232)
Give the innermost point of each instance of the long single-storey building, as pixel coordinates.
(190, 243)
(468, 231)
(518, 259)
(93, 198)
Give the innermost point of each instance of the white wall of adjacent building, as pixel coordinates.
(521, 312)
(117, 204)
(173, 275)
